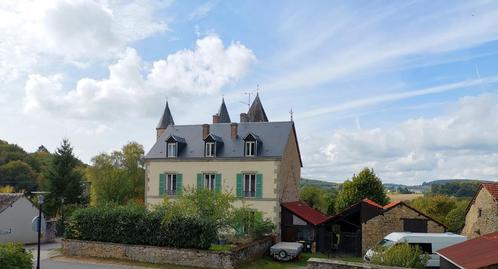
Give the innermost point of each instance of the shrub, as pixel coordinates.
(14, 256)
(248, 221)
(136, 225)
(402, 255)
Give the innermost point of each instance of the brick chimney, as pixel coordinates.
(234, 130)
(205, 130)
(216, 118)
(244, 117)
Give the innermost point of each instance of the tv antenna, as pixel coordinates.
(291, 112)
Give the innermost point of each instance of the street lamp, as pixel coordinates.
(40, 203)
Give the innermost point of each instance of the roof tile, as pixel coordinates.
(306, 212)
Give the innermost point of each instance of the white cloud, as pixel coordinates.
(40, 33)
(461, 144)
(129, 92)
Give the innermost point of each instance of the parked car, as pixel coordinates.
(427, 242)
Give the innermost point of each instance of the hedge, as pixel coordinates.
(136, 225)
(14, 256)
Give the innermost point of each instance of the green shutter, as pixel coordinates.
(217, 184)
(179, 184)
(200, 182)
(239, 185)
(162, 183)
(259, 185)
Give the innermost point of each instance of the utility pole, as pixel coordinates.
(41, 199)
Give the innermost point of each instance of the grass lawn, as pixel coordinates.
(270, 263)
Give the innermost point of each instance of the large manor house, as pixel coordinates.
(255, 159)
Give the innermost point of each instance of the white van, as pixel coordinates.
(428, 242)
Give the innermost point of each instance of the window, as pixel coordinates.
(209, 181)
(250, 148)
(249, 185)
(415, 225)
(170, 186)
(425, 247)
(171, 149)
(479, 212)
(210, 149)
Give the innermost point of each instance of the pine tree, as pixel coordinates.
(65, 180)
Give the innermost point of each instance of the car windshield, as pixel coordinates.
(386, 243)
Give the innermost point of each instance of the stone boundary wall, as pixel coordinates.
(168, 255)
(316, 263)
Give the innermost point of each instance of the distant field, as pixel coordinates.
(404, 197)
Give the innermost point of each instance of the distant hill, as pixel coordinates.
(445, 181)
(319, 183)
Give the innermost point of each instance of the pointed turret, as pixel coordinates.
(223, 113)
(165, 121)
(256, 112)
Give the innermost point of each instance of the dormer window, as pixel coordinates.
(172, 150)
(251, 145)
(250, 148)
(210, 149)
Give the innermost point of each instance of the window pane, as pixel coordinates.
(252, 148)
(253, 182)
(173, 187)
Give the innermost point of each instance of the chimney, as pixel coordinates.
(244, 117)
(216, 118)
(205, 130)
(234, 130)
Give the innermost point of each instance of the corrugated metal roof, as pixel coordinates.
(306, 212)
(475, 253)
(272, 135)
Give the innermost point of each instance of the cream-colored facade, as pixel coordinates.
(482, 215)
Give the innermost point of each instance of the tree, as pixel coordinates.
(437, 206)
(318, 198)
(455, 219)
(19, 175)
(118, 177)
(64, 180)
(364, 185)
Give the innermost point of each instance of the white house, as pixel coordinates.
(16, 215)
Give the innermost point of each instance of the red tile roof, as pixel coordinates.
(306, 212)
(492, 188)
(370, 202)
(392, 204)
(475, 253)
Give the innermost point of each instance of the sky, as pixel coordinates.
(408, 88)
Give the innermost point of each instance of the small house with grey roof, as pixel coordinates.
(256, 159)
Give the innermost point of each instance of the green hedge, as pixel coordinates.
(14, 256)
(136, 225)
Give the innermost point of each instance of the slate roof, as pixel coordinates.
(7, 199)
(479, 252)
(166, 119)
(272, 136)
(306, 212)
(223, 113)
(256, 112)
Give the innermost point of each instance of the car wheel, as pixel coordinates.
(282, 254)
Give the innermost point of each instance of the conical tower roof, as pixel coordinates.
(166, 119)
(223, 113)
(256, 112)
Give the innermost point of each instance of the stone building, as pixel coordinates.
(482, 212)
(258, 160)
(364, 224)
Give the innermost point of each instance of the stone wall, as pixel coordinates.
(315, 263)
(377, 228)
(167, 255)
(476, 226)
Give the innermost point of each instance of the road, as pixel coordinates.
(68, 263)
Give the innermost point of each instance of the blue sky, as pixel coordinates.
(407, 88)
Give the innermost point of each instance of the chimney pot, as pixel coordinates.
(234, 130)
(205, 130)
(216, 118)
(244, 117)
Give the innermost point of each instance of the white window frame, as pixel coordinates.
(170, 184)
(172, 149)
(210, 149)
(250, 150)
(249, 185)
(210, 181)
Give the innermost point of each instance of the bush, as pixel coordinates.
(14, 256)
(135, 225)
(248, 221)
(402, 255)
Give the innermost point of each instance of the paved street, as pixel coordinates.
(68, 263)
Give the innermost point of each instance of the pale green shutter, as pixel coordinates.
(162, 183)
(239, 186)
(259, 185)
(179, 184)
(200, 182)
(217, 184)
